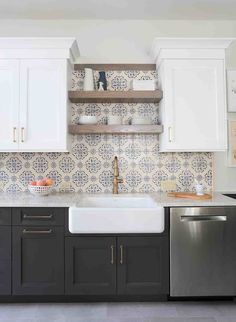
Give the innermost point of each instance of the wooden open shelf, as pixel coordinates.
(115, 96)
(119, 67)
(115, 129)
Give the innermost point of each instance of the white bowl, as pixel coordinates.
(114, 120)
(87, 119)
(40, 190)
(141, 120)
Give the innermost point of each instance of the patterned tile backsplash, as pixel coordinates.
(88, 168)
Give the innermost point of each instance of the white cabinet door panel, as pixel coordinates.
(9, 104)
(43, 116)
(195, 110)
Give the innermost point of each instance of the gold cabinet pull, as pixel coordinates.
(121, 254)
(31, 231)
(22, 134)
(37, 217)
(170, 134)
(14, 134)
(112, 254)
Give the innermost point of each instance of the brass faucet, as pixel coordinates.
(116, 179)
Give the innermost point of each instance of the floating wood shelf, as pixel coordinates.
(115, 129)
(118, 67)
(115, 96)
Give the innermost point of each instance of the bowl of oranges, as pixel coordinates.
(41, 187)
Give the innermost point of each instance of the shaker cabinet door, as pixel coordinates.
(5, 260)
(38, 260)
(9, 105)
(143, 267)
(90, 265)
(193, 110)
(43, 99)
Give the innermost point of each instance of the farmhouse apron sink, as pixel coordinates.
(116, 214)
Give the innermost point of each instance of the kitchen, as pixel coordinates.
(117, 200)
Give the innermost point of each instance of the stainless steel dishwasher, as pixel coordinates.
(203, 251)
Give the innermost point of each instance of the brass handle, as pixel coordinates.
(26, 231)
(22, 134)
(112, 254)
(121, 254)
(37, 217)
(170, 134)
(14, 134)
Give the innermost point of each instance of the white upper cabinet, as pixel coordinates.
(191, 74)
(9, 95)
(34, 87)
(43, 116)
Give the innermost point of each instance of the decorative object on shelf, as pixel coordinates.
(100, 86)
(144, 84)
(88, 80)
(114, 120)
(231, 90)
(141, 120)
(232, 144)
(102, 79)
(87, 119)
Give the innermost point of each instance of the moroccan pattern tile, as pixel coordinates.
(88, 167)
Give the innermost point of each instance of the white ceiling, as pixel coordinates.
(118, 9)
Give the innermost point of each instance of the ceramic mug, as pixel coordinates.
(114, 120)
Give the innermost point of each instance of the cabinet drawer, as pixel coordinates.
(38, 216)
(5, 216)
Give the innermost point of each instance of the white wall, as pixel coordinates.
(130, 41)
(116, 40)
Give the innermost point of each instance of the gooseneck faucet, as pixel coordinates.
(116, 179)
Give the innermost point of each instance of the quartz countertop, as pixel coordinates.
(25, 199)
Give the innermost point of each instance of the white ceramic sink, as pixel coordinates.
(116, 214)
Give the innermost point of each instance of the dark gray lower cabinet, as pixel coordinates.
(122, 265)
(143, 266)
(90, 265)
(38, 260)
(5, 260)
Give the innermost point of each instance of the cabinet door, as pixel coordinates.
(38, 260)
(193, 110)
(143, 267)
(9, 106)
(5, 260)
(43, 100)
(90, 265)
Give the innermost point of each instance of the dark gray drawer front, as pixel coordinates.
(38, 216)
(5, 216)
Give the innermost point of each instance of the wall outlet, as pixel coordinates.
(65, 187)
(2, 185)
(168, 185)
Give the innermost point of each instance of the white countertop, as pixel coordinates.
(26, 199)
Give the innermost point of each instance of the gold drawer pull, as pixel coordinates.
(112, 254)
(27, 231)
(121, 254)
(37, 217)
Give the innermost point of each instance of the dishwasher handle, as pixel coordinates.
(203, 218)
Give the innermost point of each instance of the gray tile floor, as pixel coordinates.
(120, 312)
